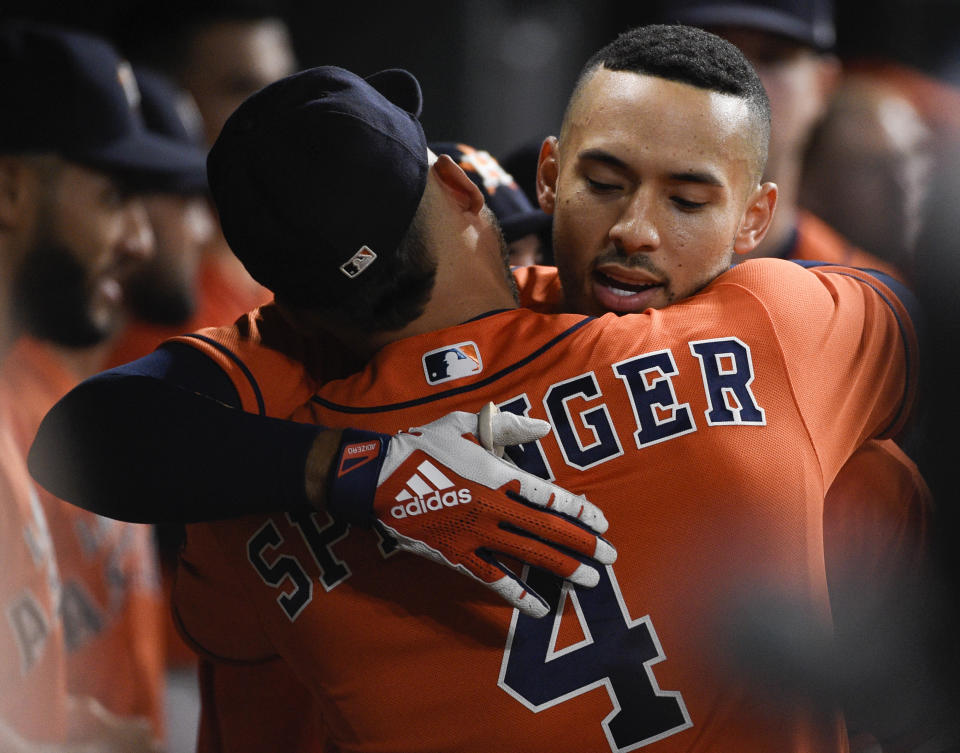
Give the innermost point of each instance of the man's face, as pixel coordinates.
(89, 236)
(229, 61)
(649, 187)
(164, 289)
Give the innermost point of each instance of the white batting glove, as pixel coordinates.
(443, 496)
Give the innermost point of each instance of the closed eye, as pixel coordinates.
(602, 187)
(686, 203)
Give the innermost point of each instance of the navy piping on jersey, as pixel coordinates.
(906, 351)
(457, 390)
(261, 406)
(905, 297)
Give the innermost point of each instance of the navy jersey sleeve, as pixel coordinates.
(162, 440)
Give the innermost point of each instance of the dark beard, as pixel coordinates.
(150, 300)
(51, 300)
(504, 253)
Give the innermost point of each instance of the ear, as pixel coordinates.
(756, 219)
(457, 184)
(548, 169)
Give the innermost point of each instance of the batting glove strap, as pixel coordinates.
(353, 483)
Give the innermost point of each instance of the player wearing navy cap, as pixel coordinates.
(74, 157)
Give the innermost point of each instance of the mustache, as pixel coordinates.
(615, 255)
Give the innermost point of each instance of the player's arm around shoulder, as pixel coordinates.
(264, 356)
(846, 335)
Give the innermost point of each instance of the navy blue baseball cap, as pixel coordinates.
(514, 211)
(809, 22)
(316, 175)
(71, 94)
(170, 111)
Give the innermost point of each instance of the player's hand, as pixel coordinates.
(443, 496)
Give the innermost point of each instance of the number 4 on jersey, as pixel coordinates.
(617, 653)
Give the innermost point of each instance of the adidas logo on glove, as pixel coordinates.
(426, 491)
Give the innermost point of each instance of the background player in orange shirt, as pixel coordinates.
(71, 229)
(720, 186)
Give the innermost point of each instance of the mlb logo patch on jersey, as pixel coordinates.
(452, 362)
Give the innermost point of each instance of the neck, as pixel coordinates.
(467, 285)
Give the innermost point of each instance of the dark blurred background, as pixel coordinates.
(497, 73)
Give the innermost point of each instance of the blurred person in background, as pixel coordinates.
(790, 43)
(161, 298)
(74, 226)
(161, 294)
(521, 162)
(867, 167)
(220, 53)
(522, 223)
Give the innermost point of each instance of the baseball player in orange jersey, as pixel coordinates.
(70, 227)
(110, 593)
(642, 385)
(624, 400)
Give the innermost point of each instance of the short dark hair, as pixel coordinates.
(688, 55)
(389, 295)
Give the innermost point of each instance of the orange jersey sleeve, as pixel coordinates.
(707, 433)
(273, 368)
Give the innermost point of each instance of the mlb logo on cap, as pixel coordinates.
(358, 262)
(452, 362)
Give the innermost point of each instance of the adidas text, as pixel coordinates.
(435, 501)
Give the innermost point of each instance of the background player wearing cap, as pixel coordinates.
(161, 299)
(75, 156)
(747, 243)
(219, 53)
(161, 295)
(523, 225)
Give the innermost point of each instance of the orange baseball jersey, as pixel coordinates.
(33, 682)
(110, 597)
(273, 367)
(875, 512)
(707, 432)
(901, 502)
